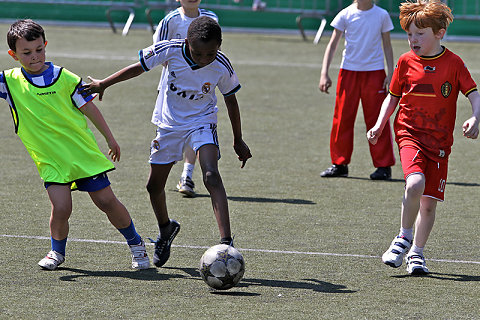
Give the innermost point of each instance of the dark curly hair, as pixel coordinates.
(205, 29)
(27, 29)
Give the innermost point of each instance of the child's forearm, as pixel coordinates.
(95, 116)
(126, 73)
(234, 115)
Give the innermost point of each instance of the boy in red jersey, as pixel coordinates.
(425, 83)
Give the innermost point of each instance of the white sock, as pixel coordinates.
(407, 233)
(417, 250)
(188, 170)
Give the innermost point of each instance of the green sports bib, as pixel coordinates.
(53, 130)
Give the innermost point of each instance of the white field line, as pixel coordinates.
(311, 253)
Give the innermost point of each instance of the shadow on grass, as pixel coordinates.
(307, 284)
(445, 276)
(257, 199)
(150, 274)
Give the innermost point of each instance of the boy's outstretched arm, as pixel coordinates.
(91, 111)
(99, 86)
(240, 147)
(470, 127)
(388, 106)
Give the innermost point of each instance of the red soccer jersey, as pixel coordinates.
(428, 90)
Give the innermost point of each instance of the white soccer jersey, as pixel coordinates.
(176, 23)
(187, 97)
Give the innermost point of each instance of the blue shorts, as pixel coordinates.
(90, 184)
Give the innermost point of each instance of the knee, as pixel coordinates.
(153, 188)
(61, 211)
(212, 178)
(415, 188)
(106, 204)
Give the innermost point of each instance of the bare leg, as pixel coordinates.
(415, 185)
(61, 200)
(116, 212)
(208, 158)
(425, 221)
(156, 189)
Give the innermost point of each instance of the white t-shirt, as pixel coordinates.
(187, 97)
(363, 37)
(175, 24)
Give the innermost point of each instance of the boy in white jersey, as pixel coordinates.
(49, 117)
(175, 26)
(186, 114)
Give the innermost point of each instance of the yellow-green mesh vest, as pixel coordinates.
(53, 130)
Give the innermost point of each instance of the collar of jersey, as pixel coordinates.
(188, 58)
(435, 56)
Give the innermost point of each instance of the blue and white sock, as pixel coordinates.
(59, 245)
(131, 234)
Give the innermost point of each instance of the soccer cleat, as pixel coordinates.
(139, 256)
(394, 255)
(163, 244)
(416, 264)
(228, 241)
(52, 260)
(382, 173)
(336, 170)
(186, 186)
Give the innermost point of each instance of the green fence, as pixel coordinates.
(63, 11)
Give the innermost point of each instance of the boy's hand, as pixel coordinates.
(95, 86)
(373, 135)
(325, 83)
(114, 150)
(242, 151)
(470, 128)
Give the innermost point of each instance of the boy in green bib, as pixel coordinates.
(49, 118)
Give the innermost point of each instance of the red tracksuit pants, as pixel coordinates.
(353, 87)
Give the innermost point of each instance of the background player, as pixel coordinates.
(175, 26)
(361, 77)
(186, 114)
(426, 83)
(49, 117)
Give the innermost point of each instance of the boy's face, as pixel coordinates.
(30, 54)
(423, 41)
(203, 53)
(189, 4)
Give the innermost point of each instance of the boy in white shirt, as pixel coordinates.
(361, 77)
(174, 26)
(186, 114)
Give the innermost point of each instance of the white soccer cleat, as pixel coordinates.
(186, 186)
(394, 255)
(416, 264)
(52, 260)
(139, 256)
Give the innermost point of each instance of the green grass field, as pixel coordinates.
(312, 246)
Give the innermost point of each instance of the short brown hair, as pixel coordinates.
(27, 29)
(424, 13)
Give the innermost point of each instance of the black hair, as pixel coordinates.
(27, 29)
(205, 29)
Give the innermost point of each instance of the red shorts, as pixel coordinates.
(414, 161)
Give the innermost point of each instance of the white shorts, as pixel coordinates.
(168, 145)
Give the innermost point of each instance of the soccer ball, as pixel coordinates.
(222, 266)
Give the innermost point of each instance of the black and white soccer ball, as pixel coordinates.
(222, 267)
